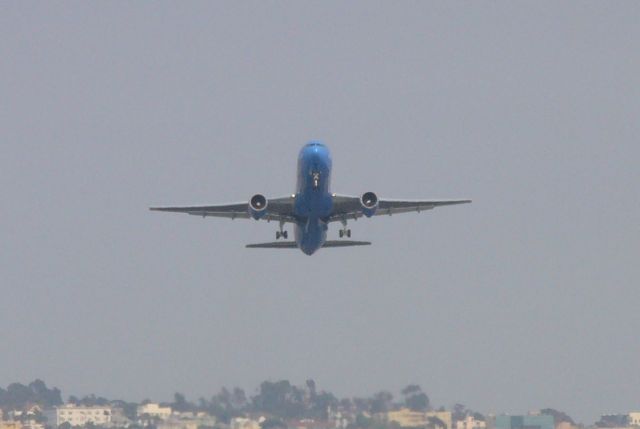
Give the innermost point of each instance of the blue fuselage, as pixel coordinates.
(313, 202)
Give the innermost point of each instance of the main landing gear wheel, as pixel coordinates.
(282, 233)
(344, 232)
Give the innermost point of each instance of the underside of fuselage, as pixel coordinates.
(313, 203)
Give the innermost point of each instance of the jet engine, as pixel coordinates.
(258, 206)
(369, 203)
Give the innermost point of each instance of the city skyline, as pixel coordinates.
(35, 404)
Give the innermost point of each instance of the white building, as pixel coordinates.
(32, 424)
(187, 420)
(153, 409)
(340, 420)
(470, 422)
(634, 418)
(77, 415)
(243, 423)
(177, 424)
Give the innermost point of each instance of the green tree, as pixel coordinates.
(17, 395)
(280, 399)
(414, 398)
(181, 404)
(558, 416)
(320, 404)
(479, 416)
(434, 422)
(363, 422)
(129, 409)
(238, 399)
(381, 402)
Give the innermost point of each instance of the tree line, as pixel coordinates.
(280, 400)
(18, 396)
(283, 400)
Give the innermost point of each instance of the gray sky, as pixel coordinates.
(527, 298)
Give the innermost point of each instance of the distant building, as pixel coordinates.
(10, 425)
(177, 424)
(413, 419)
(32, 424)
(340, 419)
(310, 424)
(634, 418)
(566, 425)
(525, 422)
(614, 421)
(407, 418)
(28, 417)
(153, 409)
(187, 420)
(244, 423)
(77, 415)
(471, 422)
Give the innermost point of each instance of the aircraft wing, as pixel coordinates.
(278, 209)
(347, 207)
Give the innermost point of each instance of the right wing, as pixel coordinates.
(278, 209)
(348, 207)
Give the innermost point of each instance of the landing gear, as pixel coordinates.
(344, 231)
(282, 233)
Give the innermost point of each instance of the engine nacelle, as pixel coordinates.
(369, 203)
(258, 206)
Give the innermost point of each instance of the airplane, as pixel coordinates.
(312, 208)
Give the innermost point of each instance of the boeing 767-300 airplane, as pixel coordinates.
(312, 207)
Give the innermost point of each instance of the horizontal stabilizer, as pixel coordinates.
(274, 245)
(345, 243)
(293, 245)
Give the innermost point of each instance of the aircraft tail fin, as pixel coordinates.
(293, 245)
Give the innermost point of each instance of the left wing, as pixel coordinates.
(278, 209)
(348, 207)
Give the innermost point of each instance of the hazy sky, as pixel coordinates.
(527, 298)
